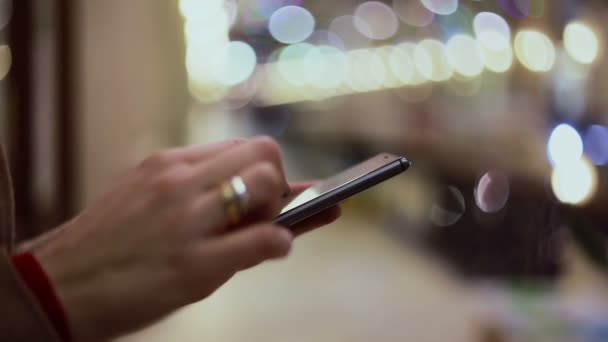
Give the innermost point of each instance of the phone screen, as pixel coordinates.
(341, 179)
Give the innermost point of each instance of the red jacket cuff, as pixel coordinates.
(39, 284)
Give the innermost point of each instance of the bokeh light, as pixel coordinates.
(267, 7)
(325, 67)
(494, 36)
(349, 28)
(237, 63)
(325, 37)
(209, 29)
(366, 70)
(596, 144)
(492, 191)
(291, 24)
(377, 20)
(189, 8)
(458, 22)
(497, 61)
(581, 42)
(290, 63)
(565, 145)
(413, 13)
(232, 9)
(465, 55)
(574, 182)
(5, 60)
(401, 63)
(392, 80)
(432, 60)
(443, 7)
(449, 209)
(535, 50)
(492, 31)
(206, 28)
(409, 51)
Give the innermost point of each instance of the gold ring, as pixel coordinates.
(236, 198)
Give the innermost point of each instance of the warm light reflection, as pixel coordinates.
(581, 42)
(331, 66)
(391, 80)
(306, 72)
(403, 66)
(212, 62)
(5, 60)
(340, 60)
(497, 61)
(465, 55)
(290, 63)
(535, 51)
(432, 61)
(574, 182)
(366, 70)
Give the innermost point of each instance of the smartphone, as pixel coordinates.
(341, 186)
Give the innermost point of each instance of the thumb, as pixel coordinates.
(249, 246)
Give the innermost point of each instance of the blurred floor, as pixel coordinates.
(348, 282)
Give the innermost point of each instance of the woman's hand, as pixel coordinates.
(159, 238)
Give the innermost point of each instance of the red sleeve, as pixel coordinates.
(39, 284)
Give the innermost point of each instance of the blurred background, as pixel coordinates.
(495, 234)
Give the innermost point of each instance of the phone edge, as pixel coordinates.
(340, 194)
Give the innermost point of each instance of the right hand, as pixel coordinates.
(158, 239)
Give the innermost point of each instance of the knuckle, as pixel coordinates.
(156, 160)
(172, 180)
(267, 177)
(267, 148)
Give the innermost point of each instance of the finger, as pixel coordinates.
(197, 153)
(264, 185)
(221, 167)
(323, 218)
(248, 247)
(296, 188)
